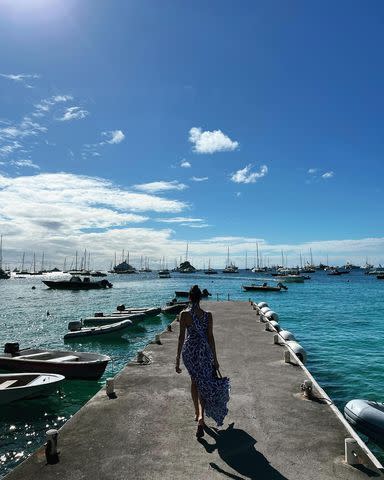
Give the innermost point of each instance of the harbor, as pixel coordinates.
(272, 430)
(320, 312)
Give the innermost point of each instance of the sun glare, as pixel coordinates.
(32, 9)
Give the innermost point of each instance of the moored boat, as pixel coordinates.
(109, 319)
(291, 278)
(75, 283)
(265, 287)
(71, 364)
(104, 332)
(22, 386)
(367, 417)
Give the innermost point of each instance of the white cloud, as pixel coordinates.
(327, 175)
(245, 175)
(312, 171)
(25, 128)
(196, 225)
(179, 220)
(185, 164)
(199, 179)
(161, 186)
(9, 148)
(210, 142)
(20, 77)
(74, 113)
(115, 136)
(45, 105)
(24, 163)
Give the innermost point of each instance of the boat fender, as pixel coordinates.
(274, 325)
(264, 310)
(286, 335)
(75, 326)
(296, 348)
(51, 452)
(271, 315)
(262, 304)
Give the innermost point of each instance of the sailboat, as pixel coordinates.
(210, 271)
(230, 267)
(3, 274)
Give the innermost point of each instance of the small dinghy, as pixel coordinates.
(367, 417)
(105, 332)
(109, 319)
(71, 364)
(148, 311)
(264, 287)
(174, 308)
(18, 386)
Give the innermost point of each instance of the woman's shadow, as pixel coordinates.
(237, 449)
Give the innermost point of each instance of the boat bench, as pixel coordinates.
(31, 355)
(7, 383)
(68, 358)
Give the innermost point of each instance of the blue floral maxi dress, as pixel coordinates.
(198, 360)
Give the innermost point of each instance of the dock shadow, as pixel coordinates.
(237, 449)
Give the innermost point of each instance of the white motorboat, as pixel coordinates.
(367, 417)
(104, 332)
(18, 386)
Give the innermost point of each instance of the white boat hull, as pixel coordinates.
(40, 384)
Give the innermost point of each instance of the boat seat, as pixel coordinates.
(68, 358)
(7, 383)
(31, 355)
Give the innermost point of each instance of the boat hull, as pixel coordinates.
(105, 332)
(249, 288)
(46, 385)
(67, 285)
(88, 366)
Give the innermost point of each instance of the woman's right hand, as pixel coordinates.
(178, 369)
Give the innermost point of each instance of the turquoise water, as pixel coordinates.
(338, 320)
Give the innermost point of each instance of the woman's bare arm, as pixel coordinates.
(211, 339)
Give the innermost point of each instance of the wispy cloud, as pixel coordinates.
(114, 136)
(24, 163)
(245, 175)
(199, 179)
(46, 104)
(161, 186)
(312, 171)
(25, 128)
(210, 142)
(327, 175)
(74, 113)
(185, 164)
(179, 220)
(21, 78)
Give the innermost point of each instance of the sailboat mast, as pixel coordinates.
(1, 252)
(257, 255)
(186, 253)
(246, 254)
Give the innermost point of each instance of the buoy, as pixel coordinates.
(286, 335)
(271, 315)
(298, 350)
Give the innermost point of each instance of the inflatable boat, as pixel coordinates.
(367, 417)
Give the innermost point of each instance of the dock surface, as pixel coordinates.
(148, 431)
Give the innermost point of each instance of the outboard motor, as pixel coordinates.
(75, 326)
(12, 348)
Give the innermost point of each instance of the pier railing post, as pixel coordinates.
(51, 452)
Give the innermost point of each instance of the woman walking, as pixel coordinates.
(210, 394)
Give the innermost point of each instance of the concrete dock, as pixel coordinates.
(148, 431)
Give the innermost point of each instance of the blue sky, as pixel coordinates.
(276, 106)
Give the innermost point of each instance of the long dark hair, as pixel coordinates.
(195, 294)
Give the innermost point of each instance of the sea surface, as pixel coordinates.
(339, 320)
